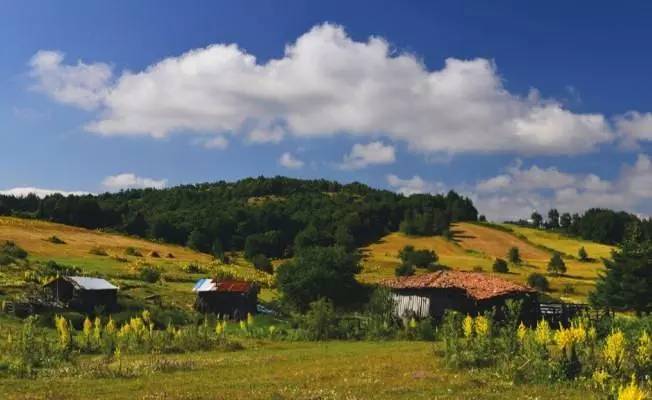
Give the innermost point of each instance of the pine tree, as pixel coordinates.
(627, 282)
(556, 265)
(583, 255)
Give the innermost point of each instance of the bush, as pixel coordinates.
(11, 249)
(404, 270)
(418, 258)
(583, 255)
(132, 251)
(52, 268)
(5, 260)
(320, 321)
(500, 266)
(538, 281)
(514, 255)
(149, 273)
(98, 251)
(262, 263)
(55, 240)
(193, 268)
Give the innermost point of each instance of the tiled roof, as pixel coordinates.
(477, 285)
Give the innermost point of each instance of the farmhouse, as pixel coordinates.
(432, 294)
(228, 298)
(83, 293)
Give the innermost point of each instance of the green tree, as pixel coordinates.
(217, 249)
(553, 219)
(500, 266)
(262, 263)
(319, 272)
(199, 241)
(582, 254)
(538, 281)
(404, 270)
(418, 258)
(514, 255)
(565, 221)
(556, 265)
(627, 280)
(537, 219)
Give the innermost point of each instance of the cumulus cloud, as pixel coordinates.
(81, 85)
(289, 161)
(132, 181)
(39, 192)
(520, 191)
(634, 127)
(324, 84)
(413, 185)
(215, 142)
(363, 155)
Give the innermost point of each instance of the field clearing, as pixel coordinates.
(477, 245)
(563, 244)
(296, 370)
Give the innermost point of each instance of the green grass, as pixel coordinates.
(296, 370)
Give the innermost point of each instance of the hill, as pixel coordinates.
(476, 246)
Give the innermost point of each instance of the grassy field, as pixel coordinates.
(477, 246)
(297, 370)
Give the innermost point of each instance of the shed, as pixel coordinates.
(430, 295)
(228, 298)
(82, 293)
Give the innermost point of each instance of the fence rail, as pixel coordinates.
(563, 313)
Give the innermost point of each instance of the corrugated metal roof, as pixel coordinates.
(477, 285)
(211, 285)
(87, 283)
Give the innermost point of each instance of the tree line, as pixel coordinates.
(268, 216)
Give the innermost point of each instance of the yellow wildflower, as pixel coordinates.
(243, 325)
(521, 332)
(614, 348)
(631, 392)
(146, 315)
(272, 329)
(110, 327)
(644, 349)
(250, 319)
(412, 324)
(63, 328)
(218, 328)
(88, 327)
(542, 333)
(600, 378)
(482, 326)
(467, 326)
(563, 338)
(97, 330)
(578, 333)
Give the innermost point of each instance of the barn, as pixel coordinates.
(82, 293)
(430, 295)
(228, 298)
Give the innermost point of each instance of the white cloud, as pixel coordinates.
(81, 85)
(289, 161)
(39, 192)
(214, 142)
(363, 155)
(325, 84)
(413, 185)
(540, 189)
(270, 135)
(634, 127)
(132, 181)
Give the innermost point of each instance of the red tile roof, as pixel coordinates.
(233, 286)
(477, 285)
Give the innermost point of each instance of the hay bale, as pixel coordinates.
(170, 255)
(154, 254)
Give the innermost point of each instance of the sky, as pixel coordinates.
(521, 106)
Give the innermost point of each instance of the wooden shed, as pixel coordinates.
(228, 298)
(430, 295)
(82, 293)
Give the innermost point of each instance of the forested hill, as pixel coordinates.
(258, 215)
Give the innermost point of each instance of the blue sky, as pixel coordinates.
(521, 106)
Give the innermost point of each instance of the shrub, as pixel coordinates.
(500, 266)
(582, 254)
(5, 260)
(132, 251)
(98, 251)
(262, 263)
(514, 255)
(418, 258)
(149, 273)
(55, 240)
(320, 321)
(193, 268)
(52, 268)
(556, 265)
(538, 281)
(11, 249)
(404, 270)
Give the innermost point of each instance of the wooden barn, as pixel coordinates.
(227, 298)
(83, 293)
(472, 293)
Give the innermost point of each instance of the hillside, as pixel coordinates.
(477, 246)
(80, 247)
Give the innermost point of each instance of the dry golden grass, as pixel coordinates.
(32, 235)
(477, 246)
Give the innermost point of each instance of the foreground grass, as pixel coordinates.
(273, 370)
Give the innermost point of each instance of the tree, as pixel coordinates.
(404, 270)
(514, 255)
(482, 218)
(217, 249)
(418, 258)
(268, 243)
(538, 281)
(344, 238)
(319, 272)
(537, 219)
(137, 226)
(262, 263)
(199, 241)
(500, 266)
(556, 265)
(565, 221)
(628, 278)
(553, 219)
(582, 254)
